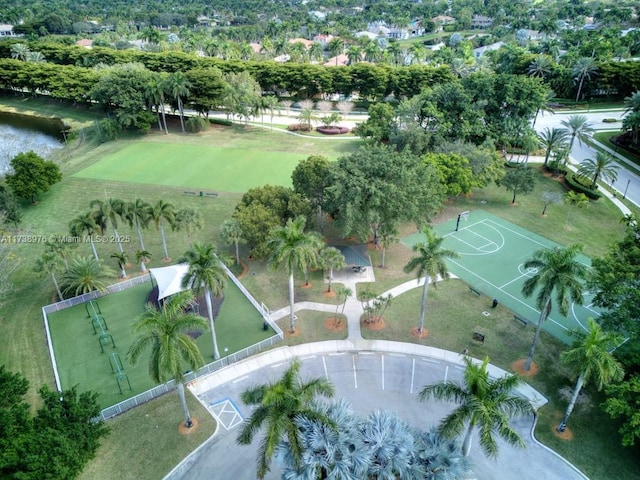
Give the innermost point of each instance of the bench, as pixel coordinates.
(473, 290)
(189, 193)
(211, 194)
(523, 321)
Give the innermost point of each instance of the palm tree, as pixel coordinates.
(342, 292)
(49, 263)
(554, 270)
(138, 214)
(632, 103)
(278, 405)
(60, 246)
(84, 275)
(178, 87)
(231, 232)
(110, 210)
(122, 258)
(269, 103)
(577, 126)
(631, 122)
(316, 52)
(484, 403)
(167, 332)
(160, 212)
(154, 93)
(551, 140)
(603, 166)
(335, 47)
(354, 54)
(573, 199)
(540, 66)
(592, 359)
(205, 274)
(85, 225)
(188, 219)
(583, 69)
(291, 247)
(429, 263)
(35, 57)
(331, 257)
(307, 117)
(19, 51)
(143, 257)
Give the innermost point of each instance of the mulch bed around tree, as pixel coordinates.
(518, 367)
(373, 323)
(288, 333)
(306, 285)
(245, 270)
(330, 294)
(188, 431)
(566, 435)
(417, 334)
(335, 324)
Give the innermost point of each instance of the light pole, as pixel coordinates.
(626, 188)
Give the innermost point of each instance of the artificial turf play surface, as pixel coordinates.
(77, 348)
(492, 253)
(195, 166)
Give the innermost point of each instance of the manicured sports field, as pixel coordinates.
(492, 253)
(81, 362)
(195, 166)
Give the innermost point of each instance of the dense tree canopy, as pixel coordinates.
(32, 175)
(56, 442)
(377, 188)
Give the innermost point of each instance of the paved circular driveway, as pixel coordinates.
(369, 381)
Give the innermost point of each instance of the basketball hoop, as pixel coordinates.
(462, 216)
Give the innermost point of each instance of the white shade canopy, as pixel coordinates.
(169, 279)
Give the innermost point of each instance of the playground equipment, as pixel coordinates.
(118, 369)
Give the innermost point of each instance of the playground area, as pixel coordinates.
(90, 340)
(492, 254)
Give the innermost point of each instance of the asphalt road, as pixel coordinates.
(369, 381)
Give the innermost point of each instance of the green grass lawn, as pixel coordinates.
(46, 107)
(310, 327)
(144, 443)
(81, 361)
(195, 166)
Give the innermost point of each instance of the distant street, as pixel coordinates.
(627, 181)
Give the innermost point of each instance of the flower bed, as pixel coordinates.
(332, 130)
(298, 127)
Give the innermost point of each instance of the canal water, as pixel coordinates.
(21, 133)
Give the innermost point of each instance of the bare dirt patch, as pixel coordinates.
(518, 367)
(186, 431)
(373, 323)
(335, 324)
(416, 333)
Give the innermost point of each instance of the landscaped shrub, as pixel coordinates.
(609, 120)
(576, 184)
(221, 121)
(196, 124)
(554, 167)
(298, 127)
(332, 130)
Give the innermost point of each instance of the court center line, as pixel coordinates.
(508, 294)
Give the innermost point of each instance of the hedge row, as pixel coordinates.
(573, 181)
(221, 121)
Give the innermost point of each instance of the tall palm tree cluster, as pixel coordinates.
(101, 225)
(631, 121)
(313, 439)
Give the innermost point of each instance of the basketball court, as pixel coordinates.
(492, 256)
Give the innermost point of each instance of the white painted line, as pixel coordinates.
(413, 372)
(366, 353)
(240, 379)
(355, 378)
(307, 357)
(458, 368)
(336, 354)
(397, 355)
(324, 364)
(382, 357)
(276, 365)
(446, 373)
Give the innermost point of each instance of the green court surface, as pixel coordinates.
(195, 167)
(80, 361)
(492, 253)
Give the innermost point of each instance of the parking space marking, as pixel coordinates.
(336, 354)
(446, 372)
(397, 355)
(382, 357)
(276, 365)
(240, 379)
(366, 353)
(324, 364)
(355, 377)
(226, 413)
(307, 357)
